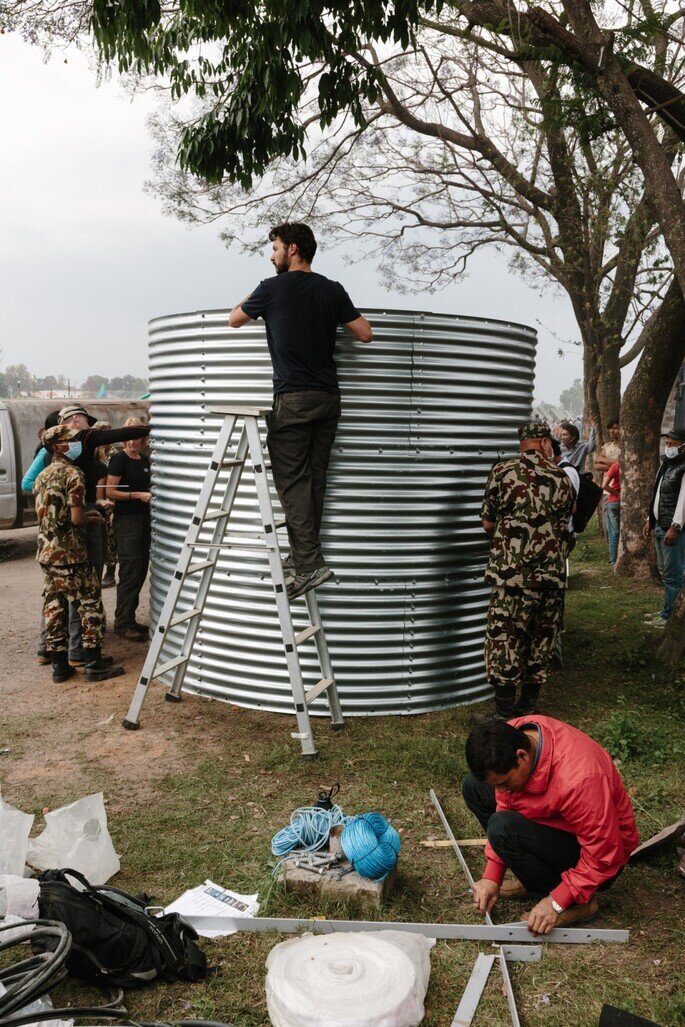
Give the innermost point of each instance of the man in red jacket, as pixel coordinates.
(555, 811)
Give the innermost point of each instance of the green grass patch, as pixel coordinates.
(215, 819)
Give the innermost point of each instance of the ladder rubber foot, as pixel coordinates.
(338, 727)
(170, 697)
(310, 755)
(130, 725)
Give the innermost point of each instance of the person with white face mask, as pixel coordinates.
(665, 522)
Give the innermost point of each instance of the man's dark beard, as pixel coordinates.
(281, 268)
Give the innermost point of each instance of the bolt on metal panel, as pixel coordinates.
(427, 408)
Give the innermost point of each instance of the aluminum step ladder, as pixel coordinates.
(249, 442)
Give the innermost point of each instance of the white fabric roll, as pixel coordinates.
(349, 980)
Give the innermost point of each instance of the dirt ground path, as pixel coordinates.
(74, 729)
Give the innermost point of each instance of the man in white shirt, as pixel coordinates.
(665, 522)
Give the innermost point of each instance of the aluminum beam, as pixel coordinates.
(473, 991)
(512, 934)
(508, 987)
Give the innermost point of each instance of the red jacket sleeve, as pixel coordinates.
(591, 814)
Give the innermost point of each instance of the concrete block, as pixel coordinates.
(362, 891)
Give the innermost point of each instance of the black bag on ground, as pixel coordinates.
(587, 500)
(114, 940)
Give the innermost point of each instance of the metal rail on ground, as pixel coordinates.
(511, 934)
(488, 919)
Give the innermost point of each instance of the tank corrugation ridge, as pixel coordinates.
(427, 408)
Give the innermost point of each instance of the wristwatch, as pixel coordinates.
(555, 906)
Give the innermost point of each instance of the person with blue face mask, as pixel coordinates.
(90, 435)
(665, 523)
(68, 577)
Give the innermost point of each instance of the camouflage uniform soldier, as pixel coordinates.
(68, 575)
(526, 508)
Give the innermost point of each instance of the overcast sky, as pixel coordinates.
(87, 258)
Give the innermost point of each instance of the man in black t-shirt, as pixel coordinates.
(301, 311)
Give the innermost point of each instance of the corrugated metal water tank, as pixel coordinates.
(427, 408)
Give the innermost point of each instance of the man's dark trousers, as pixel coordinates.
(133, 554)
(301, 430)
(535, 854)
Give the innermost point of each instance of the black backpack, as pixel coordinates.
(587, 500)
(115, 942)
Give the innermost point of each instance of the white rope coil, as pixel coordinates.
(348, 980)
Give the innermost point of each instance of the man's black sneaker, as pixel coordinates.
(130, 634)
(142, 629)
(289, 570)
(302, 583)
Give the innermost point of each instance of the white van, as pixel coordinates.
(20, 421)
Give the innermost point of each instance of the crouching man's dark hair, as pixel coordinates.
(492, 747)
(294, 232)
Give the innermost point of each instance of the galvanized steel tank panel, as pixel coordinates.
(427, 408)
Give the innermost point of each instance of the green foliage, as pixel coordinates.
(572, 399)
(258, 78)
(621, 735)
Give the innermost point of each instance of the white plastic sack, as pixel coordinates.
(40, 1005)
(15, 828)
(349, 980)
(76, 837)
(19, 896)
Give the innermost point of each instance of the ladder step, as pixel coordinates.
(279, 524)
(170, 664)
(215, 515)
(302, 636)
(181, 617)
(231, 543)
(193, 568)
(232, 462)
(317, 689)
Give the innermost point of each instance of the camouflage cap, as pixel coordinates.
(60, 433)
(535, 429)
(75, 408)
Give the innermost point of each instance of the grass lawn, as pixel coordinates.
(216, 819)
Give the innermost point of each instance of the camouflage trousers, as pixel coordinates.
(76, 583)
(522, 629)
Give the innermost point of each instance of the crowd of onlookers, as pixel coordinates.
(666, 516)
(92, 488)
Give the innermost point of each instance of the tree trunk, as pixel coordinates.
(601, 379)
(641, 415)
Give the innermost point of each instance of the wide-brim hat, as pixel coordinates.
(60, 433)
(76, 408)
(675, 433)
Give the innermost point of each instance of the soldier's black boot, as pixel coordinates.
(505, 700)
(61, 671)
(528, 701)
(99, 668)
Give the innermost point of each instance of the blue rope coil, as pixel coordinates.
(308, 829)
(372, 845)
